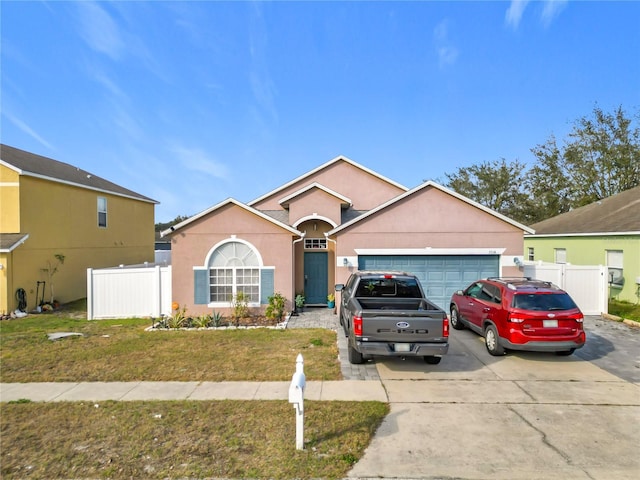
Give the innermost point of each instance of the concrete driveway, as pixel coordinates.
(521, 416)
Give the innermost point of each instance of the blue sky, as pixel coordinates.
(190, 103)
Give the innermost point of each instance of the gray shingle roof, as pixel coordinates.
(615, 214)
(9, 241)
(36, 165)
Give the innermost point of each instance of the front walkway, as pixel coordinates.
(321, 317)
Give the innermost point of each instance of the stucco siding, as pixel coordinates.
(192, 245)
(9, 201)
(431, 218)
(62, 219)
(315, 202)
(365, 190)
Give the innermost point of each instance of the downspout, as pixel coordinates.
(293, 269)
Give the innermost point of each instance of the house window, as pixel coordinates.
(531, 256)
(102, 212)
(614, 264)
(234, 267)
(315, 243)
(561, 255)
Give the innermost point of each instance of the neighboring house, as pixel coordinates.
(606, 232)
(310, 233)
(51, 208)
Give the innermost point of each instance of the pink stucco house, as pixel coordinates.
(310, 233)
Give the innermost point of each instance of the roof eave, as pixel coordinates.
(228, 201)
(433, 184)
(321, 167)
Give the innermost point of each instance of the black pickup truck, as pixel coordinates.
(386, 313)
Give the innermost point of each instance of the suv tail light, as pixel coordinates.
(445, 327)
(516, 318)
(357, 326)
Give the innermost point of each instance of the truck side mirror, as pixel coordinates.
(339, 287)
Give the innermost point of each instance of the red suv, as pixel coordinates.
(519, 314)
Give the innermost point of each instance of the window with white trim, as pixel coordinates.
(531, 255)
(561, 255)
(102, 212)
(315, 243)
(234, 267)
(615, 261)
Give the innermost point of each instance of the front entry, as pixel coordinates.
(315, 277)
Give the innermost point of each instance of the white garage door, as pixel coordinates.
(440, 275)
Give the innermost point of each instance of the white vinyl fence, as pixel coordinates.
(131, 291)
(587, 284)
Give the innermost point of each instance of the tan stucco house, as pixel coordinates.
(312, 232)
(49, 208)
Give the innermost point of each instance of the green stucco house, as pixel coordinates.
(606, 232)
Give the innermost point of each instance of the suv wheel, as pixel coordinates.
(566, 353)
(455, 319)
(491, 341)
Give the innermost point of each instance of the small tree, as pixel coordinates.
(51, 269)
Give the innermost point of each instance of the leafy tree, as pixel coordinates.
(160, 227)
(600, 158)
(498, 185)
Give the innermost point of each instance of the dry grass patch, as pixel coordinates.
(121, 350)
(184, 439)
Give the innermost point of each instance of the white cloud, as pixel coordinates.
(28, 130)
(551, 10)
(515, 12)
(99, 30)
(447, 52)
(198, 161)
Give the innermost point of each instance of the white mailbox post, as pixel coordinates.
(296, 396)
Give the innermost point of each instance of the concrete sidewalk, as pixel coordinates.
(347, 390)
(361, 382)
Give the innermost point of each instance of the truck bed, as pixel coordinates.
(381, 303)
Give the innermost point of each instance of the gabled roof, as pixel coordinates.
(286, 200)
(228, 201)
(11, 241)
(617, 214)
(321, 167)
(427, 184)
(30, 164)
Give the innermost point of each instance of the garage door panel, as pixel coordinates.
(440, 275)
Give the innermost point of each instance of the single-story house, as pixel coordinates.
(312, 232)
(606, 232)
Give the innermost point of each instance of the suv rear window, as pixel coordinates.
(543, 301)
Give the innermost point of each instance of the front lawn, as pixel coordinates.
(630, 311)
(121, 350)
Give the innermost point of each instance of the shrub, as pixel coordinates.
(275, 309)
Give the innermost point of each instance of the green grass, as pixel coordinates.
(121, 350)
(630, 311)
(183, 439)
(177, 439)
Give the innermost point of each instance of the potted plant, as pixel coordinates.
(300, 301)
(331, 300)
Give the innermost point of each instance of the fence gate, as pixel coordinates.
(587, 284)
(128, 292)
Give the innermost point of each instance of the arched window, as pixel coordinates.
(234, 267)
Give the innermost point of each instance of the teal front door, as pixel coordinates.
(315, 277)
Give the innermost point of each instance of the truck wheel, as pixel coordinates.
(355, 357)
(455, 319)
(432, 359)
(491, 341)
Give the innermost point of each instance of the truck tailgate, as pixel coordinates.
(402, 326)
